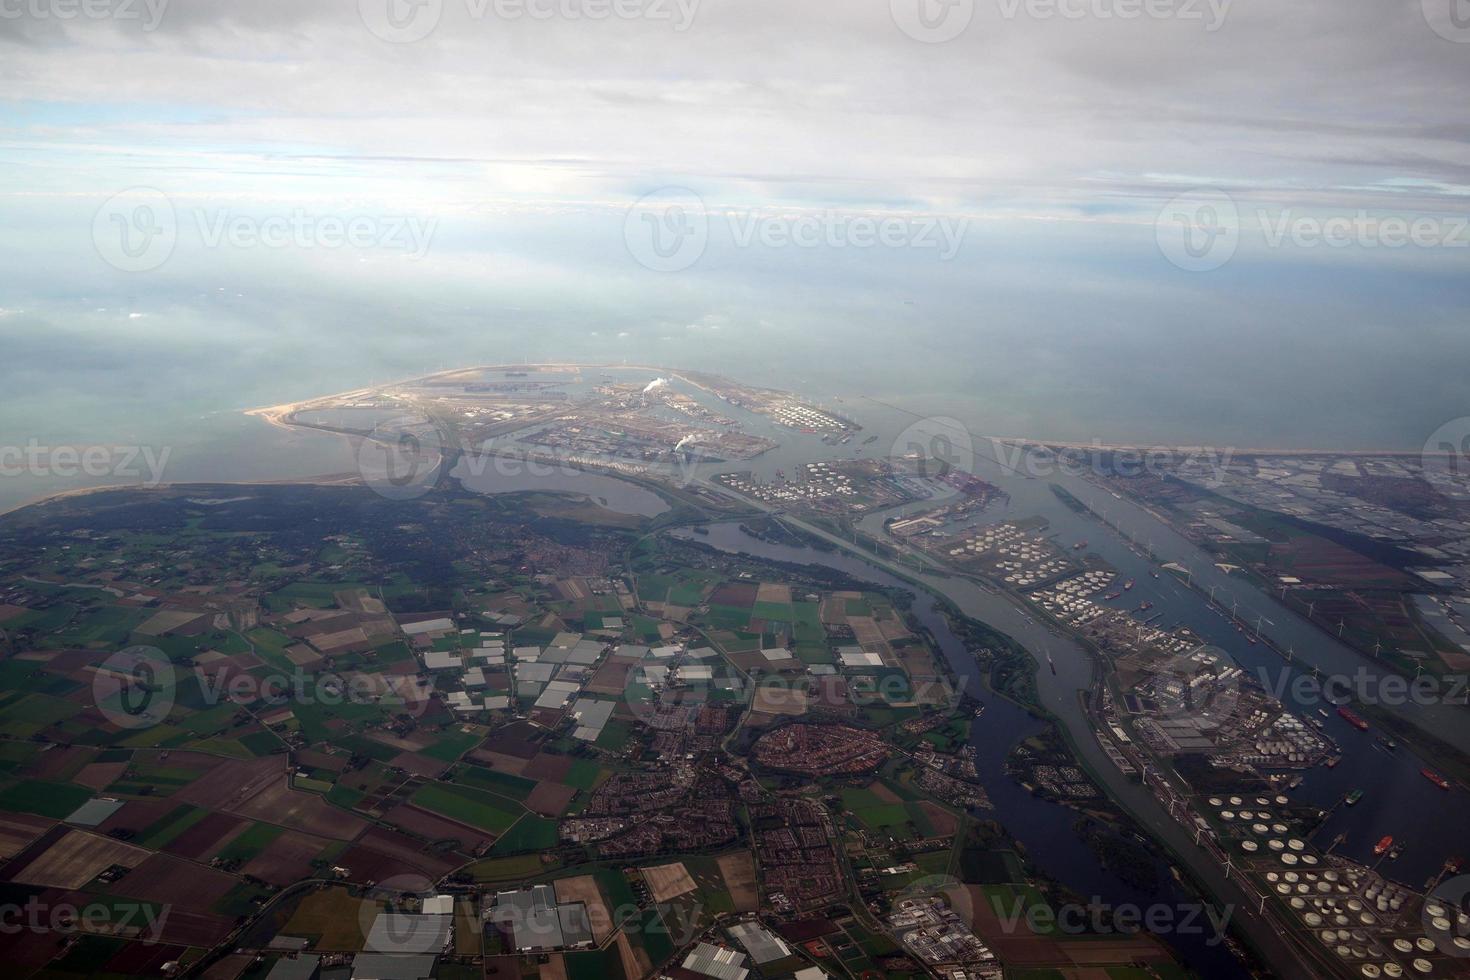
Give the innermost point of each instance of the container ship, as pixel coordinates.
(1382, 846)
(1435, 778)
(1351, 717)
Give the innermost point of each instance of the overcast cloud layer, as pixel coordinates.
(499, 153)
(1037, 107)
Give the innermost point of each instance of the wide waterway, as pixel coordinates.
(1044, 828)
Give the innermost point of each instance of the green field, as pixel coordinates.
(250, 843)
(531, 833)
(503, 783)
(169, 826)
(45, 798)
(469, 805)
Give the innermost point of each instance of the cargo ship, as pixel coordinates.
(1351, 717)
(1434, 778)
(1333, 761)
(1128, 586)
(1145, 606)
(1382, 846)
(1354, 797)
(1080, 545)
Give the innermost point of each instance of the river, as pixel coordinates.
(1044, 828)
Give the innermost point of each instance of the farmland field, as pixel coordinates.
(475, 807)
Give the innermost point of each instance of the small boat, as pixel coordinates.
(1382, 846)
(1387, 743)
(1351, 717)
(1080, 545)
(1354, 797)
(1435, 778)
(1323, 712)
(1154, 574)
(1051, 663)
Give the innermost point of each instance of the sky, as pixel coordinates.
(1171, 220)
